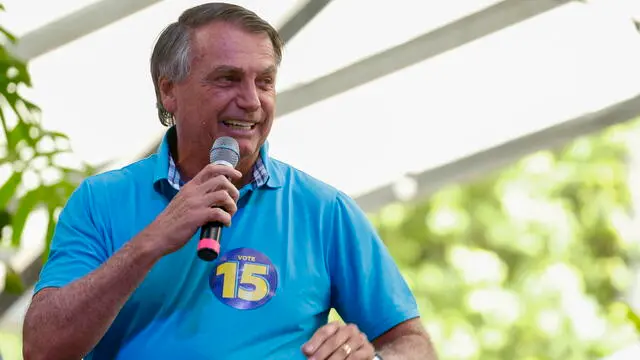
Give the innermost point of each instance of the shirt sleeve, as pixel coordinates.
(367, 286)
(77, 247)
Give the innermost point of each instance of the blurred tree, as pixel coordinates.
(33, 175)
(527, 263)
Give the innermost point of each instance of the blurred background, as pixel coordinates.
(494, 144)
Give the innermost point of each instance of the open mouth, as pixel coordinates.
(239, 125)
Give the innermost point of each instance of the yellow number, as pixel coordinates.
(229, 270)
(250, 276)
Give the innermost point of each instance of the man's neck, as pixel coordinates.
(245, 166)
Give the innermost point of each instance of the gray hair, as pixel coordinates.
(171, 57)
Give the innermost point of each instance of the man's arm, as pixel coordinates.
(369, 293)
(66, 318)
(338, 341)
(406, 341)
(66, 323)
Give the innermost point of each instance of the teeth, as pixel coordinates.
(239, 124)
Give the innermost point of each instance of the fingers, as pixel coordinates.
(357, 347)
(337, 342)
(218, 215)
(219, 182)
(214, 198)
(212, 170)
(318, 339)
(221, 199)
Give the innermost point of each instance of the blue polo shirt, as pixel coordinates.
(297, 248)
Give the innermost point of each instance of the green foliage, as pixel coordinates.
(632, 316)
(527, 263)
(32, 154)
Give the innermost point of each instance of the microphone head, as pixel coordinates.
(225, 151)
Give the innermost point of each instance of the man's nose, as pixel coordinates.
(248, 98)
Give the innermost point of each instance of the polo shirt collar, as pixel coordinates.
(161, 171)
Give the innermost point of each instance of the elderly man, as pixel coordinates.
(123, 280)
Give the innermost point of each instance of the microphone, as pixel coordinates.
(225, 151)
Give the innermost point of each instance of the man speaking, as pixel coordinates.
(124, 279)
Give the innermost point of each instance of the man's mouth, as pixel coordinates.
(239, 124)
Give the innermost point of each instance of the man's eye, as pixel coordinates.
(266, 82)
(226, 78)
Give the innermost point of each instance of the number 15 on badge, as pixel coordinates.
(244, 279)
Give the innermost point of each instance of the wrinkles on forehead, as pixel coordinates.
(227, 44)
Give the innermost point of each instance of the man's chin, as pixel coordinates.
(248, 149)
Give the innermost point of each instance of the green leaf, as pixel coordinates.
(26, 205)
(13, 283)
(633, 317)
(18, 133)
(5, 218)
(23, 76)
(9, 35)
(57, 134)
(31, 106)
(3, 120)
(9, 188)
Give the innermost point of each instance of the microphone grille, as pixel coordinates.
(225, 149)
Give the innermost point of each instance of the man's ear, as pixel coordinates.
(167, 96)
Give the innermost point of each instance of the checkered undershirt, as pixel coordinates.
(260, 174)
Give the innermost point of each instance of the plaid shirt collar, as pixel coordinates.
(260, 174)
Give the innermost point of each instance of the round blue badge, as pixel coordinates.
(244, 279)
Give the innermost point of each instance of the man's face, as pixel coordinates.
(230, 91)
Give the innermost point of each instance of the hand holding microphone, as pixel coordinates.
(225, 152)
(209, 198)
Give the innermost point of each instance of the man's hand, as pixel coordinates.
(208, 197)
(337, 341)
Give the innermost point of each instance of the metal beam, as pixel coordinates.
(499, 156)
(301, 18)
(445, 38)
(105, 12)
(75, 25)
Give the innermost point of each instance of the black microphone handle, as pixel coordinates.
(210, 231)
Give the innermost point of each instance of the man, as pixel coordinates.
(123, 280)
